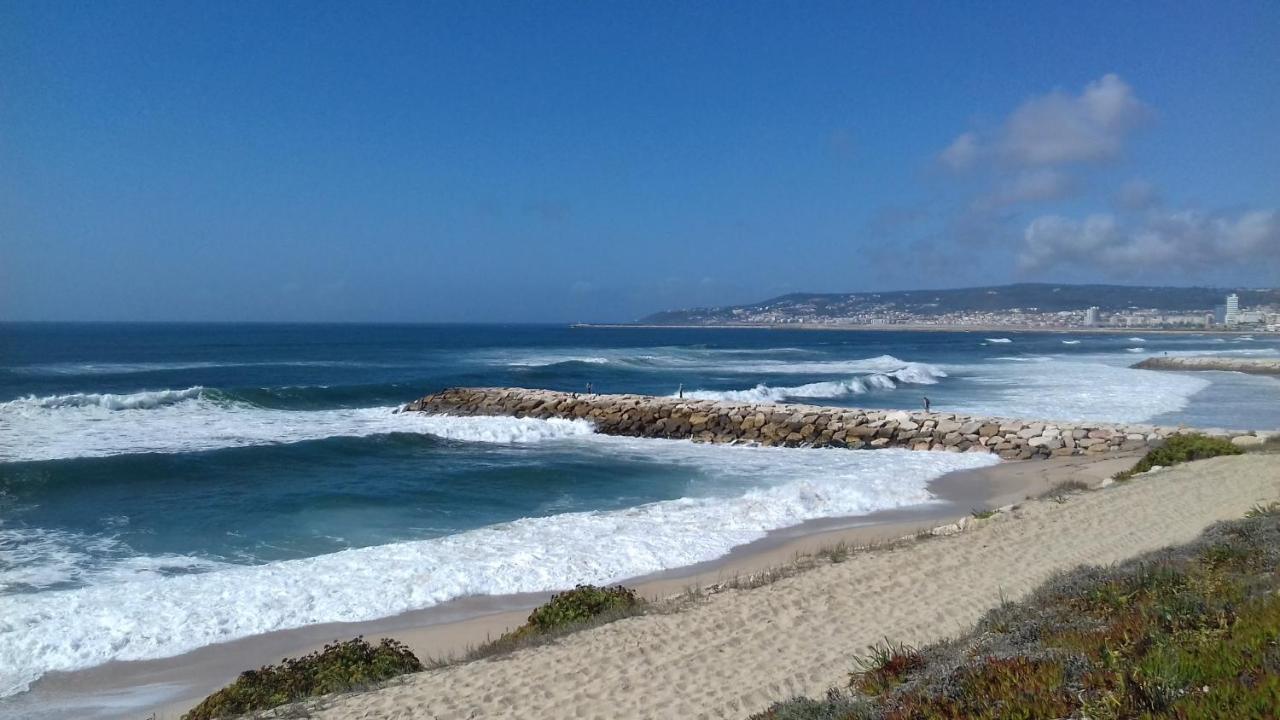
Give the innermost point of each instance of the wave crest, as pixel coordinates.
(885, 373)
(144, 400)
(197, 419)
(79, 628)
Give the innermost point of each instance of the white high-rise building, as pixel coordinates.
(1091, 316)
(1233, 310)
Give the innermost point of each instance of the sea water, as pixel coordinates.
(166, 487)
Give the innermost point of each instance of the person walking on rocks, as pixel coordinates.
(680, 391)
(926, 404)
(588, 388)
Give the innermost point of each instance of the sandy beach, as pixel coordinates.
(170, 686)
(733, 652)
(738, 651)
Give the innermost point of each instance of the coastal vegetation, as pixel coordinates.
(356, 664)
(1186, 632)
(1179, 449)
(575, 606)
(339, 667)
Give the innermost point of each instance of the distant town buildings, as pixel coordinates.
(888, 313)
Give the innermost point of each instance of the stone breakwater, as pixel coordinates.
(805, 425)
(1257, 366)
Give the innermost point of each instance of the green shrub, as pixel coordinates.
(1180, 449)
(581, 603)
(338, 667)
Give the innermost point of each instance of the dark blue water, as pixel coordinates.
(145, 469)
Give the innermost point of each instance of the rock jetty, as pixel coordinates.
(806, 425)
(1256, 366)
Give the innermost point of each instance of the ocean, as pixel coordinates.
(168, 486)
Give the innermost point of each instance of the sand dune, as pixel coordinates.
(738, 651)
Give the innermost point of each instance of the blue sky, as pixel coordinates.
(522, 161)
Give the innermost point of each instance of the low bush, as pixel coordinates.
(566, 612)
(1180, 449)
(1183, 633)
(338, 667)
(581, 603)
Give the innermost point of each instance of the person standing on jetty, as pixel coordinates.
(588, 388)
(926, 404)
(680, 391)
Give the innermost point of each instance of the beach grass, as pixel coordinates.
(1179, 449)
(356, 664)
(339, 667)
(1186, 632)
(582, 608)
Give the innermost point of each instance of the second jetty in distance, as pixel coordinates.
(1253, 366)
(810, 425)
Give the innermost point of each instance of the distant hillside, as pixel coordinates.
(1030, 297)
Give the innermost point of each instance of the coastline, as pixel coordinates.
(170, 686)
(924, 328)
(733, 653)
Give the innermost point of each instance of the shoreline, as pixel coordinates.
(924, 328)
(732, 653)
(170, 686)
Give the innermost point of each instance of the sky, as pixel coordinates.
(574, 161)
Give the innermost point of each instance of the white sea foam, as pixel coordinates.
(193, 420)
(38, 558)
(885, 373)
(1137, 339)
(153, 616)
(762, 361)
(106, 368)
(1070, 342)
(1135, 349)
(547, 361)
(107, 401)
(904, 370)
(1101, 388)
(999, 340)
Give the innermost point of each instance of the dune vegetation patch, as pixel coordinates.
(339, 667)
(1179, 449)
(583, 607)
(356, 664)
(1186, 632)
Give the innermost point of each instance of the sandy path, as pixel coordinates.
(738, 651)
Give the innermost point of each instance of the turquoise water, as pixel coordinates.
(164, 487)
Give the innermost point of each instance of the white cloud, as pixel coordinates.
(1029, 186)
(1137, 195)
(961, 153)
(1184, 239)
(1057, 129)
(1060, 128)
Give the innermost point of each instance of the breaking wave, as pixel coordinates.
(72, 629)
(198, 419)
